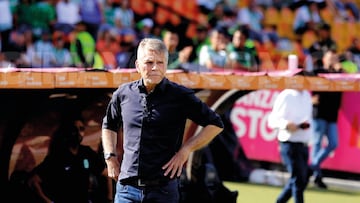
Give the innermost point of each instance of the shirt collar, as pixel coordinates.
(161, 86)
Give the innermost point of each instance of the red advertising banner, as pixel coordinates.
(249, 117)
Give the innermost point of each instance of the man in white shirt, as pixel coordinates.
(291, 116)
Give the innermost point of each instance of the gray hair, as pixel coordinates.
(153, 44)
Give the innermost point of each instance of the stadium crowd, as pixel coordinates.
(242, 35)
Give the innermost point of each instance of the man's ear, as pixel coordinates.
(137, 66)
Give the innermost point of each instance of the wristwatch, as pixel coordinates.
(107, 156)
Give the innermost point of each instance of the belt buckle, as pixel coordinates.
(140, 183)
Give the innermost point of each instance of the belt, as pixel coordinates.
(141, 183)
(296, 143)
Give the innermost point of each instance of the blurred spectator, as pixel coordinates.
(22, 16)
(17, 46)
(307, 17)
(171, 41)
(208, 5)
(69, 170)
(26, 58)
(145, 28)
(229, 19)
(347, 64)
(214, 56)
(157, 31)
(44, 51)
(323, 44)
(110, 7)
(82, 46)
(216, 15)
(330, 63)
(91, 13)
(252, 17)
(4, 63)
(353, 52)
(242, 52)
(6, 24)
(270, 34)
(61, 54)
(276, 3)
(200, 39)
(176, 57)
(347, 10)
(108, 46)
(43, 17)
(127, 55)
(124, 18)
(67, 13)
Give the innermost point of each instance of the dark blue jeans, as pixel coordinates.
(295, 158)
(320, 152)
(161, 194)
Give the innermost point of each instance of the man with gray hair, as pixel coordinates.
(150, 115)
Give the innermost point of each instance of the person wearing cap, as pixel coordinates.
(145, 27)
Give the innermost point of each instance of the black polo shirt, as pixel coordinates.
(153, 124)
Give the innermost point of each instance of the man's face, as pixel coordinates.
(217, 40)
(152, 67)
(171, 40)
(239, 39)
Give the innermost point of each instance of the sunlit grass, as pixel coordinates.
(256, 193)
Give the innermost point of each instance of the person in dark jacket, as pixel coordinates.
(326, 108)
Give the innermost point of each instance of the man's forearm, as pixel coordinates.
(206, 135)
(109, 141)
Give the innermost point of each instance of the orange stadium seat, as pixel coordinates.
(267, 64)
(162, 15)
(287, 15)
(266, 52)
(175, 19)
(142, 8)
(191, 30)
(327, 15)
(308, 38)
(285, 30)
(282, 63)
(271, 16)
(243, 3)
(357, 28)
(285, 24)
(190, 10)
(339, 33)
